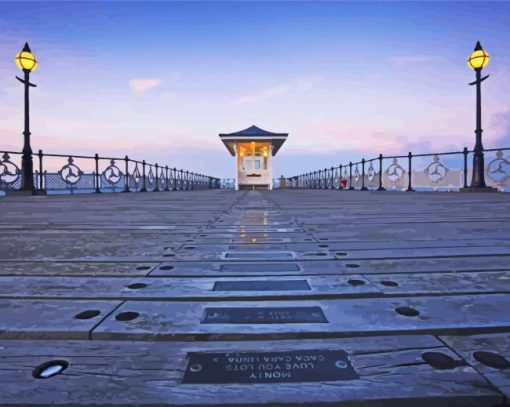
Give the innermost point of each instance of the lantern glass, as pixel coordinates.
(26, 61)
(478, 59)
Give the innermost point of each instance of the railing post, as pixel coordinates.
(350, 176)
(157, 178)
(465, 152)
(340, 178)
(126, 176)
(174, 188)
(381, 188)
(144, 189)
(96, 158)
(363, 187)
(41, 176)
(181, 181)
(332, 178)
(409, 184)
(166, 177)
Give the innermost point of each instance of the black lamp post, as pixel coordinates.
(26, 61)
(478, 59)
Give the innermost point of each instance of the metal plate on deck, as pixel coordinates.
(267, 315)
(269, 367)
(260, 267)
(259, 255)
(269, 285)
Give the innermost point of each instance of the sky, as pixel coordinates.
(160, 80)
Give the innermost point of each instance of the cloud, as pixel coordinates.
(301, 85)
(406, 60)
(500, 126)
(143, 85)
(261, 96)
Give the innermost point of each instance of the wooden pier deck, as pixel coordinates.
(276, 298)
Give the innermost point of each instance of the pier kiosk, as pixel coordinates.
(253, 149)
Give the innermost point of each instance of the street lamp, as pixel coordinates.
(478, 60)
(26, 61)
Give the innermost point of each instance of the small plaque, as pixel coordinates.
(269, 367)
(259, 255)
(270, 267)
(268, 285)
(258, 246)
(268, 315)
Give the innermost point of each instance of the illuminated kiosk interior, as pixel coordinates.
(253, 149)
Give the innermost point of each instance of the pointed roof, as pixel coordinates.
(256, 134)
(254, 131)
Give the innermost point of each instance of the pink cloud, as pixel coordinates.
(143, 85)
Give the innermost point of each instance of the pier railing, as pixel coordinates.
(446, 171)
(58, 173)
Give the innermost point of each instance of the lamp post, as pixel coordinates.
(26, 61)
(478, 60)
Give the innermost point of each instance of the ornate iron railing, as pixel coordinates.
(79, 173)
(227, 183)
(448, 171)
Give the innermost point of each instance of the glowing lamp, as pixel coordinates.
(479, 58)
(25, 60)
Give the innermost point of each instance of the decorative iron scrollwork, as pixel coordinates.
(112, 173)
(136, 175)
(395, 172)
(162, 179)
(357, 176)
(150, 176)
(337, 179)
(436, 171)
(70, 173)
(9, 172)
(498, 169)
(371, 172)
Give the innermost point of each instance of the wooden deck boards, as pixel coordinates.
(132, 290)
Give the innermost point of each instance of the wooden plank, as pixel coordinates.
(73, 268)
(154, 289)
(318, 286)
(391, 369)
(298, 267)
(442, 283)
(491, 366)
(45, 319)
(346, 317)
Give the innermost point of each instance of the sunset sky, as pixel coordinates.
(346, 80)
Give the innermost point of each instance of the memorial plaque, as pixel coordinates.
(260, 267)
(267, 315)
(269, 367)
(259, 255)
(268, 285)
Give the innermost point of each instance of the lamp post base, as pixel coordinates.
(478, 189)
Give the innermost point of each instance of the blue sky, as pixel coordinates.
(160, 80)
